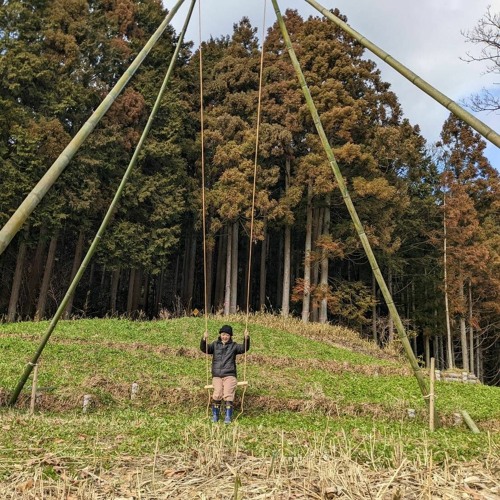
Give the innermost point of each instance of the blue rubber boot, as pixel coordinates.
(229, 412)
(215, 411)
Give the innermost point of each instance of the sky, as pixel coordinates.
(426, 36)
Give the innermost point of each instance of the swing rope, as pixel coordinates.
(244, 383)
(252, 216)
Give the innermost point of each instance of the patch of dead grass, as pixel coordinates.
(216, 472)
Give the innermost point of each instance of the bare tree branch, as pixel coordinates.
(486, 35)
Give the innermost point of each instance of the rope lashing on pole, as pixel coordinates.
(350, 207)
(106, 220)
(16, 221)
(487, 132)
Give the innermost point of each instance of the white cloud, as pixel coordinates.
(425, 36)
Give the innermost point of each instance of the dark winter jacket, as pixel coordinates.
(224, 355)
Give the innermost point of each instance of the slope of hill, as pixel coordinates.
(325, 415)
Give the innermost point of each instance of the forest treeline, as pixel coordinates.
(431, 212)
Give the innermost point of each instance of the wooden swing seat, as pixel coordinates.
(243, 383)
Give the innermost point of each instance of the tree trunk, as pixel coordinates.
(130, 295)
(115, 280)
(6, 275)
(221, 271)
(245, 285)
(159, 292)
(35, 272)
(191, 273)
(279, 270)
(137, 291)
(102, 290)
(441, 350)
(374, 310)
(89, 289)
(184, 269)
(306, 302)
(391, 320)
(186, 266)
(229, 257)
(451, 361)
(479, 363)
(323, 314)
(234, 269)
(285, 286)
(191, 264)
(144, 298)
(177, 286)
(210, 259)
(285, 299)
(463, 330)
(435, 343)
(427, 351)
(263, 269)
(315, 264)
(77, 260)
(17, 280)
(44, 290)
(471, 332)
(412, 315)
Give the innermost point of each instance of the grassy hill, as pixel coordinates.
(325, 415)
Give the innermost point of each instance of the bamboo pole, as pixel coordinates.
(31, 201)
(470, 423)
(487, 132)
(352, 210)
(106, 220)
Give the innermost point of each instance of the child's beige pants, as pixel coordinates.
(224, 388)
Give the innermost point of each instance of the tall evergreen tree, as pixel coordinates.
(471, 190)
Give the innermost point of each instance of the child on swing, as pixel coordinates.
(224, 352)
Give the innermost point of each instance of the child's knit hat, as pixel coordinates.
(226, 329)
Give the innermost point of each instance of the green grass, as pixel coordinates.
(303, 393)
(186, 332)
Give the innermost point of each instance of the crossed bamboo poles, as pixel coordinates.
(17, 220)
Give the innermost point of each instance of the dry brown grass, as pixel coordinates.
(216, 472)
